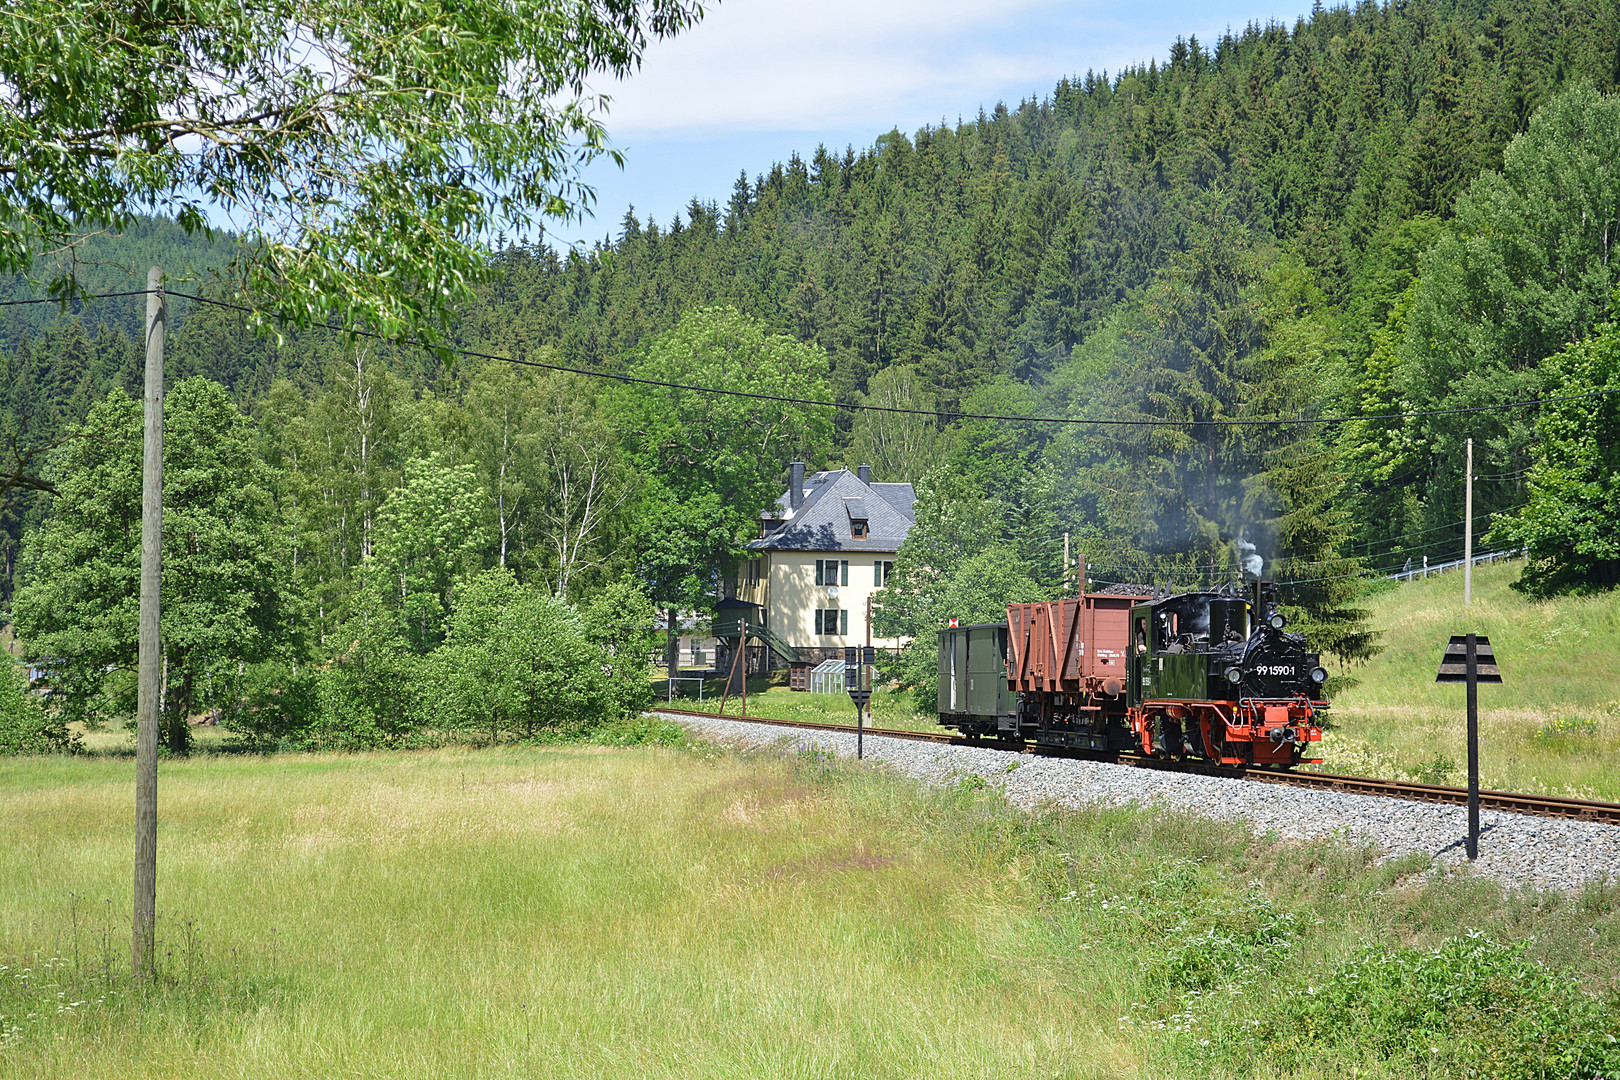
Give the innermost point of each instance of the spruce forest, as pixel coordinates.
(1402, 213)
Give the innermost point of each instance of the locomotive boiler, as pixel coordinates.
(1212, 675)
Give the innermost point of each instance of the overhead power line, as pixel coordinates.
(82, 299)
(935, 413)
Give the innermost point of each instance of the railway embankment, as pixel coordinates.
(1518, 850)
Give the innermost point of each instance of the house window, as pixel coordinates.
(881, 573)
(832, 571)
(857, 529)
(753, 571)
(832, 621)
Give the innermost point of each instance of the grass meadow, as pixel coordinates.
(1552, 726)
(655, 912)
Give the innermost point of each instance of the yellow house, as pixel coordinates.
(825, 548)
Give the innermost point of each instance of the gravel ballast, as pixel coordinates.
(1517, 849)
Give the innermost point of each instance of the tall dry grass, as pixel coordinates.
(656, 912)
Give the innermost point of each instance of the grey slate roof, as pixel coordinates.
(831, 501)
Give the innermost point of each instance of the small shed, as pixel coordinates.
(827, 677)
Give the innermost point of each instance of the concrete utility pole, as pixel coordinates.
(1468, 528)
(149, 705)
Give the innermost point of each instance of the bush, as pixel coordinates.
(272, 702)
(25, 726)
(1468, 1007)
(371, 696)
(517, 660)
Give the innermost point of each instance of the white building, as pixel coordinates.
(825, 549)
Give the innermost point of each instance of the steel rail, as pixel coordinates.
(1554, 806)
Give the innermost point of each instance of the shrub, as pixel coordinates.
(273, 702)
(517, 660)
(1468, 1007)
(25, 726)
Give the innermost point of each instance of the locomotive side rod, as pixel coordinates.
(1512, 802)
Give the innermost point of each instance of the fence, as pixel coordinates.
(1408, 572)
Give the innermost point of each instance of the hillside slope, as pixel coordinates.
(1553, 724)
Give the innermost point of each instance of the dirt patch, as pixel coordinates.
(759, 802)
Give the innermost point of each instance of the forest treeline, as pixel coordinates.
(1402, 212)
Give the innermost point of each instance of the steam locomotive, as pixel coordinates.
(1212, 675)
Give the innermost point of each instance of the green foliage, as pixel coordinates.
(1214, 936)
(1470, 1006)
(26, 727)
(717, 459)
(371, 150)
(272, 703)
(1569, 525)
(619, 620)
(901, 448)
(945, 571)
(227, 598)
(516, 660)
(1523, 269)
(428, 540)
(732, 446)
(375, 693)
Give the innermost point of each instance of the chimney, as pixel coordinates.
(795, 486)
(865, 473)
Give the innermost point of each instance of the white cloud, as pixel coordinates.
(796, 65)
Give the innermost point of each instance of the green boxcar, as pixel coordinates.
(973, 672)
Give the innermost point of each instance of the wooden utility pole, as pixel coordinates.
(1468, 528)
(149, 704)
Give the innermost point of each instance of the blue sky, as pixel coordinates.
(759, 79)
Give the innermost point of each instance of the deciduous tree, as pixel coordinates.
(369, 150)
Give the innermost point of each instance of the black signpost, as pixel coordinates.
(857, 680)
(1469, 659)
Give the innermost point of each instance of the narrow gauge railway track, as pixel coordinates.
(1539, 805)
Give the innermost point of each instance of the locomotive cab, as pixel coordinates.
(1211, 677)
(1182, 645)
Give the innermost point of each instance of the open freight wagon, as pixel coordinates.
(1056, 668)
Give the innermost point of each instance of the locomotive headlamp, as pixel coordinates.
(1234, 675)
(1318, 675)
(1277, 621)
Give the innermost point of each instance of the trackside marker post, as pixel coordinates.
(1469, 659)
(857, 681)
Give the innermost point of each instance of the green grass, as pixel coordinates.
(656, 912)
(1553, 725)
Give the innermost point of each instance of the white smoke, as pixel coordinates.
(1249, 556)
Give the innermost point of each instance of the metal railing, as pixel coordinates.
(1409, 571)
(669, 694)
